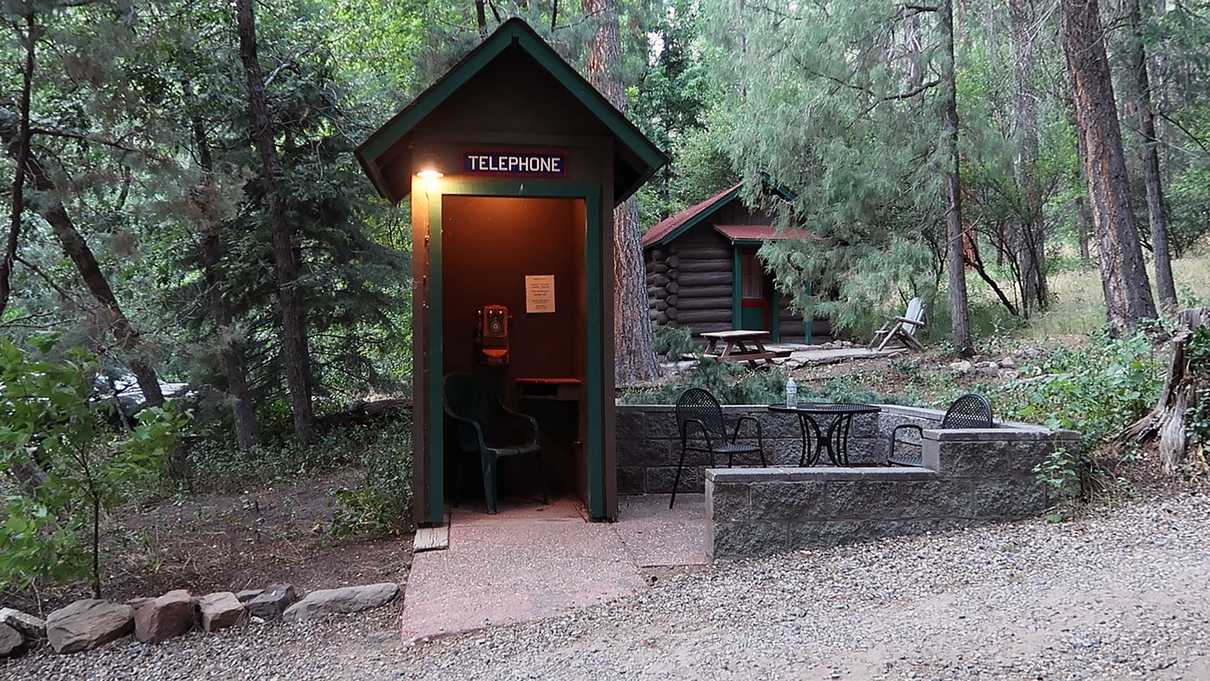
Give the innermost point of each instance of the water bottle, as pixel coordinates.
(791, 393)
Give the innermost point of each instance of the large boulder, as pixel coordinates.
(342, 600)
(272, 602)
(248, 594)
(12, 643)
(139, 601)
(220, 610)
(31, 627)
(162, 618)
(87, 624)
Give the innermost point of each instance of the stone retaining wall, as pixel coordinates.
(969, 476)
(649, 445)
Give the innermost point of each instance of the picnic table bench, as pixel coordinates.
(739, 346)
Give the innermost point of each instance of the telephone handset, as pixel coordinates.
(491, 334)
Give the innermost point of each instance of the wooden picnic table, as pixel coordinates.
(738, 346)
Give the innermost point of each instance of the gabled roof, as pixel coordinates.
(736, 233)
(644, 157)
(670, 228)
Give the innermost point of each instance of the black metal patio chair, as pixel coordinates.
(486, 427)
(699, 409)
(969, 411)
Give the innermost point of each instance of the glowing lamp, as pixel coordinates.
(429, 177)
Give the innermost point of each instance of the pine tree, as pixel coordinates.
(1123, 274)
(634, 359)
(295, 352)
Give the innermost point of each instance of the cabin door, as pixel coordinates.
(754, 292)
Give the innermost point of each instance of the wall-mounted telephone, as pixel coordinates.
(491, 334)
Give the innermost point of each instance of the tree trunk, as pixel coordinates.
(1149, 142)
(96, 545)
(955, 262)
(289, 296)
(1165, 423)
(20, 156)
(231, 351)
(77, 250)
(1031, 239)
(1083, 227)
(1128, 297)
(481, 18)
(634, 358)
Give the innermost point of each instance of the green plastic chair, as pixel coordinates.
(487, 427)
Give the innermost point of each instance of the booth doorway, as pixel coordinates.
(524, 258)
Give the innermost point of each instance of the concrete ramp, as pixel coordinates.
(532, 561)
(527, 562)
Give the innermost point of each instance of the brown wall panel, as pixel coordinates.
(489, 244)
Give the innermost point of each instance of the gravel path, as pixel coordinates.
(1123, 594)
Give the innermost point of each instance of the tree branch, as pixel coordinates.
(1185, 130)
(47, 278)
(84, 138)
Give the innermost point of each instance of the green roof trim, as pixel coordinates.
(512, 32)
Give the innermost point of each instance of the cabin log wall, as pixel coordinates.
(689, 281)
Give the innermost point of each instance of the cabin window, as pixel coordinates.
(752, 276)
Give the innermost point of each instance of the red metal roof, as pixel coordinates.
(670, 224)
(760, 233)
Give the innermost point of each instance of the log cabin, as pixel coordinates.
(703, 272)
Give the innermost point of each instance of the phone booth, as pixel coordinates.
(513, 164)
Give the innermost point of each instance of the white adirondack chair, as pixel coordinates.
(902, 329)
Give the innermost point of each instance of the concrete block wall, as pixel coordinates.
(649, 445)
(970, 477)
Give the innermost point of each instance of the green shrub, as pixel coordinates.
(381, 504)
(216, 463)
(1097, 389)
(671, 342)
(71, 464)
(730, 383)
(737, 384)
(1064, 473)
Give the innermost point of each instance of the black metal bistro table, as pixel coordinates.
(814, 440)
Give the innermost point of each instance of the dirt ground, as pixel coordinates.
(214, 541)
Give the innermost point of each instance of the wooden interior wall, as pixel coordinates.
(489, 245)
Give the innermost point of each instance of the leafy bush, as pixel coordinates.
(1189, 197)
(1097, 389)
(670, 342)
(218, 464)
(70, 464)
(730, 383)
(736, 384)
(381, 504)
(1064, 473)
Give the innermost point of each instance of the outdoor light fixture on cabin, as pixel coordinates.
(429, 176)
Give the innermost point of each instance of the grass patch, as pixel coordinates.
(1078, 306)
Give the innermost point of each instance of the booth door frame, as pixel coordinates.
(594, 321)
